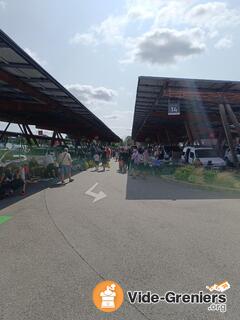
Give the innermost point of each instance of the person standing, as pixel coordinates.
(109, 153)
(96, 159)
(104, 159)
(50, 165)
(135, 162)
(125, 159)
(65, 164)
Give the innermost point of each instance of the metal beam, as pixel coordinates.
(5, 130)
(25, 134)
(16, 65)
(14, 81)
(194, 94)
(233, 117)
(53, 138)
(24, 106)
(189, 133)
(228, 134)
(31, 134)
(34, 80)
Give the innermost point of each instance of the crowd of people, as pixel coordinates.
(137, 161)
(15, 177)
(101, 155)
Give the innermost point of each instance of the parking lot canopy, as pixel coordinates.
(166, 107)
(30, 95)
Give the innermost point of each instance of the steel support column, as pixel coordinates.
(25, 134)
(189, 133)
(5, 130)
(228, 134)
(31, 134)
(233, 117)
(53, 138)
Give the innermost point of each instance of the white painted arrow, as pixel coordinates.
(98, 196)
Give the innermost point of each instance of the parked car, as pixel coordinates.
(205, 156)
(228, 155)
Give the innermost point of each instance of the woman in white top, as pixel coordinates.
(65, 164)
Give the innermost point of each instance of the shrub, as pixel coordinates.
(183, 173)
(200, 175)
(209, 176)
(192, 178)
(167, 170)
(86, 164)
(91, 163)
(227, 179)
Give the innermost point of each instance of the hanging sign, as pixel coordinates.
(173, 108)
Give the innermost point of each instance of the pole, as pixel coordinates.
(26, 135)
(233, 117)
(189, 133)
(228, 134)
(53, 138)
(5, 130)
(31, 134)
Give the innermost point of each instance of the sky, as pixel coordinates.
(98, 49)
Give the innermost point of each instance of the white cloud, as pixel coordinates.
(213, 15)
(139, 13)
(166, 46)
(92, 95)
(179, 17)
(84, 38)
(118, 114)
(170, 14)
(102, 101)
(111, 117)
(109, 31)
(35, 57)
(224, 43)
(3, 4)
(119, 120)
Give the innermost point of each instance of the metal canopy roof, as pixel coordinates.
(29, 95)
(198, 101)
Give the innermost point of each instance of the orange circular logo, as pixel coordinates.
(108, 296)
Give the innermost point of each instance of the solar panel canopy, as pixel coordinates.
(165, 106)
(30, 95)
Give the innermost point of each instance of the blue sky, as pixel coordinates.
(97, 49)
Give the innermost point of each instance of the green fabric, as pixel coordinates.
(4, 219)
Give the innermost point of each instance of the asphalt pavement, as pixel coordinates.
(145, 234)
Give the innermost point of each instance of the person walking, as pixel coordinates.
(135, 162)
(104, 158)
(65, 164)
(96, 159)
(50, 165)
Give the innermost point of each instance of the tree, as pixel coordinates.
(128, 141)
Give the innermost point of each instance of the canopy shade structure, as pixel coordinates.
(29, 95)
(171, 109)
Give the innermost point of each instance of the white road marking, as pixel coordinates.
(97, 196)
